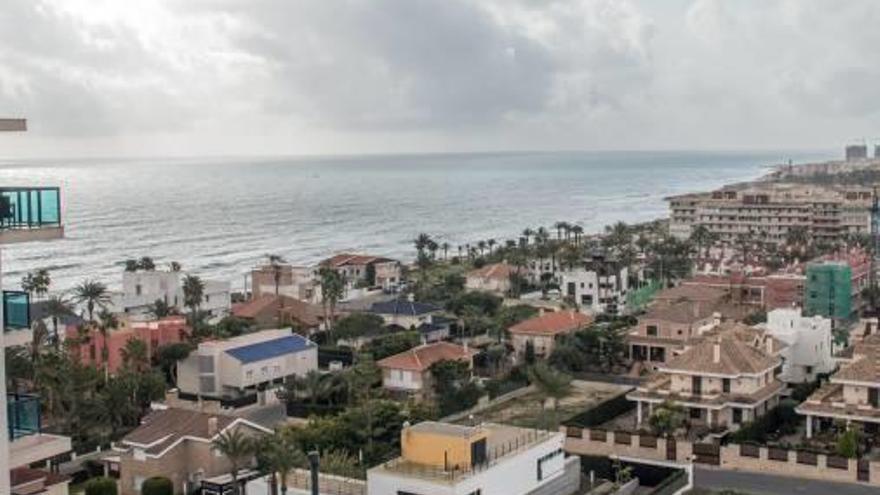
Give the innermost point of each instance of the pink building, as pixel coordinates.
(155, 334)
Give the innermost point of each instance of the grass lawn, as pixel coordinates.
(525, 411)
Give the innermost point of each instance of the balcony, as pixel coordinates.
(27, 443)
(23, 413)
(16, 318)
(30, 214)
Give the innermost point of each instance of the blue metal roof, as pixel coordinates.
(403, 307)
(270, 348)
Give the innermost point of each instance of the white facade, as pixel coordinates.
(518, 473)
(809, 342)
(212, 371)
(140, 289)
(598, 294)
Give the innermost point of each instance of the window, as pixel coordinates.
(737, 415)
(206, 364)
(206, 384)
(137, 289)
(695, 413)
(652, 330)
(725, 385)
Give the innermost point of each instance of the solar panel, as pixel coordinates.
(270, 348)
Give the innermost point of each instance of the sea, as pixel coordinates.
(219, 217)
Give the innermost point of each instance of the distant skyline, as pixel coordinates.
(275, 77)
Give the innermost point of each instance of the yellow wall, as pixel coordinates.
(434, 449)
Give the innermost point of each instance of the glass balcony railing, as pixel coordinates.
(23, 413)
(29, 207)
(16, 310)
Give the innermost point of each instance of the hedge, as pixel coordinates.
(157, 485)
(101, 486)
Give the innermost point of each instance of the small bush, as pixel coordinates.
(101, 486)
(157, 485)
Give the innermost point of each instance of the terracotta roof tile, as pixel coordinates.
(735, 357)
(162, 428)
(422, 357)
(308, 314)
(497, 271)
(554, 323)
(343, 259)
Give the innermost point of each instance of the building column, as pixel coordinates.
(809, 426)
(709, 417)
(638, 413)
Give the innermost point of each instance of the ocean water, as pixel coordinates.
(218, 217)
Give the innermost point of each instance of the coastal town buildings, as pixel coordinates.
(409, 372)
(270, 311)
(494, 277)
(366, 270)
(154, 334)
(26, 214)
(176, 444)
(770, 211)
(599, 285)
(809, 344)
(142, 288)
(298, 282)
(489, 459)
(852, 394)
(541, 332)
(245, 369)
(726, 379)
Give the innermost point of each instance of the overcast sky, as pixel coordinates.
(216, 77)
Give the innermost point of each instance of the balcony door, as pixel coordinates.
(874, 397)
(697, 385)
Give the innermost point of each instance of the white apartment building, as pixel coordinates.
(596, 291)
(247, 365)
(809, 344)
(26, 214)
(769, 211)
(489, 459)
(141, 289)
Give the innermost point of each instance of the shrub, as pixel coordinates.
(101, 486)
(848, 444)
(157, 485)
(782, 419)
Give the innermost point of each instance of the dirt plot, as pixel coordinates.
(526, 411)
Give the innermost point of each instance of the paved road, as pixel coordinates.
(763, 484)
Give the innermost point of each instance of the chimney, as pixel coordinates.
(768, 344)
(212, 426)
(716, 351)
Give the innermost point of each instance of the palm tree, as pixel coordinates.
(174, 266)
(702, 237)
(551, 384)
(314, 384)
(93, 294)
(147, 264)
(193, 292)
(107, 323)
(279, 454)
(559, 226)
(275, 262)
(481, 245)
(56, 308)
(238, 448)
(445, 246)
(332, 291)
(527, 233)
(577, 230)
(666, 418)
(131, 265)
(491, 243)
(161, 309)
(135, 356)
(37, 282)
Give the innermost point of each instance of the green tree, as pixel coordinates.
(453, 388)
(848, 444)
(332, 291)
(239, 449)
(147, 264)
(161, 309)
(107, 322)
(551, 384)
(390, 344)
(168, 357)
(36, 283)
(101, 486)
(279, 454)
(193, 294)
(93, 294)
(358, 325)
(157, 485)
(131, 265)
(56, 308)
(135, 356)
(666, 418)
(275, 264)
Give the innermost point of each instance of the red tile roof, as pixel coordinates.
(422, 357)
(343, 259)
(308, 314)
(552, 323)
(498, 271)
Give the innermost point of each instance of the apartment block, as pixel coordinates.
(770, 211)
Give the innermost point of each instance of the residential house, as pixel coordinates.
(852, 394)
(489, 459)
(154, 334)
(599, 285)
(409, 372)
(809, 344)
(726, 379)
(542, 331)
(405, 313)
(142, 288)
(372, 271)
(245, 369)
(271, 311)
(176, 444)
(495, 277)
(298, 282)
(26, 214)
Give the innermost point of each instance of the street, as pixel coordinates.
(764, 484)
